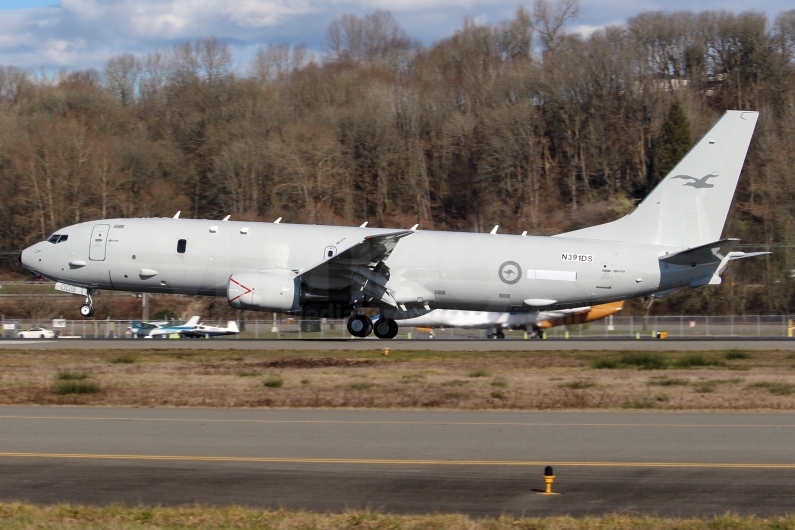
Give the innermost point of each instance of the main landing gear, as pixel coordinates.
(362, 326)
(87, 309)
(385, 328)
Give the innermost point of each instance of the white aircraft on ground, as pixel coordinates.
(160, 330)
(205, 331)
(671, 240)
(534, 322)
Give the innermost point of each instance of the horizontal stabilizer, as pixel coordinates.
(709, 253)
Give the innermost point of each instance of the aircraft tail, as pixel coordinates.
(232, 326)
(192, 322)
(689, 206)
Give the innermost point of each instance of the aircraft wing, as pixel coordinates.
(340, 271)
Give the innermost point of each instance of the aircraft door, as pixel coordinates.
(329, 253)
(604, 276)
(99, 238)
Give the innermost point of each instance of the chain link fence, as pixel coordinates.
(284, 327)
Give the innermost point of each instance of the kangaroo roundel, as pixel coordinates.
(510, 272)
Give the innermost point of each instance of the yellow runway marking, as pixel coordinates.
(376, 461)
(345, 422)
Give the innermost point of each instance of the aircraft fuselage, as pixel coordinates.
(481, 272)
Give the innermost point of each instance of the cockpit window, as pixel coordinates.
(57, 238)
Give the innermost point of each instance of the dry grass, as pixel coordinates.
(17, 516)
(414, 379)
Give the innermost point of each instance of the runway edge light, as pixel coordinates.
(549, 478)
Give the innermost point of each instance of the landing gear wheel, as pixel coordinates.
(500, 335)
(386, 328)
(87, 310)
(360, 326)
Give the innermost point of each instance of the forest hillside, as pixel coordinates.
(520, 124)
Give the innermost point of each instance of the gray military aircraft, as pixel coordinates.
(672, 239)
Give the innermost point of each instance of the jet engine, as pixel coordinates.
(267, 290)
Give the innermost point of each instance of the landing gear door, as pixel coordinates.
(99, 238)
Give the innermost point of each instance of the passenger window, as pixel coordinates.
(181, 246)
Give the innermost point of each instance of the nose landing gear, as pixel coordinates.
(87, 309)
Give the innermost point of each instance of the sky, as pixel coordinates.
(77, 34)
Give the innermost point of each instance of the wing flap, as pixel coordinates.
(340, 271)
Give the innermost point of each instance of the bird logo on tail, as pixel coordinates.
(698, 183)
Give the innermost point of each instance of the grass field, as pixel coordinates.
(730, 380)
(15, 516)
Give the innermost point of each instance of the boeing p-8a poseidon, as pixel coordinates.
(672, 239)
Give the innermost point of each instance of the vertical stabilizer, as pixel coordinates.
(689, 206)
(232, 326)
(192, 322)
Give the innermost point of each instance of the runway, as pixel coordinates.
(590, 344)
(479, 463)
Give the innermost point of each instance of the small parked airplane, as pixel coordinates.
(160, 330)
(672, 239)
(203, 331)
(534, 322)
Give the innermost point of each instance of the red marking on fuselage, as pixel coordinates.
(241, 294)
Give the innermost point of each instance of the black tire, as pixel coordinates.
(360, 326)
(500, 335)
(386, 328)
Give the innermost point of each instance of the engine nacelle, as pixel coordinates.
(268, 290)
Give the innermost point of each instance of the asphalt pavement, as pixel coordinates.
(479, 463)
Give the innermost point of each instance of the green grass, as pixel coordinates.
(454, 395)
(76, 387)
(361, 386)
(604, 364)
(579, 384)
(478, 373)
(737, 355)
(644, 360)
(71, 376)
(248, 373)
(274, 381)
(123, 359)
(639, 360)
(777, 389)
(668, 381)
(498, 395)
(697, 360)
